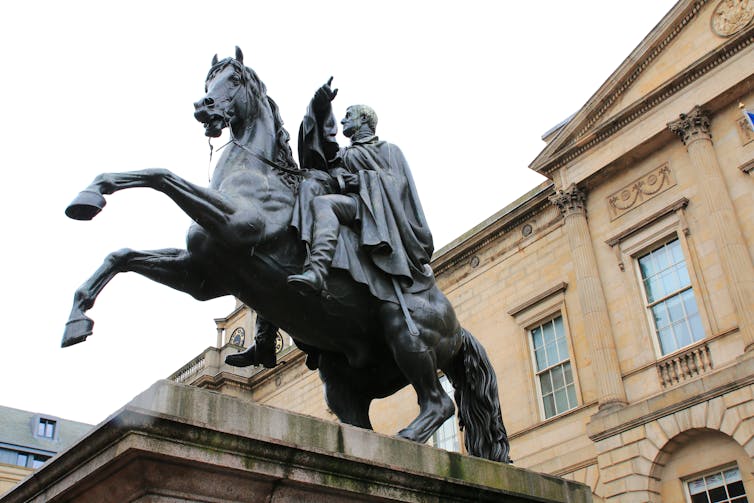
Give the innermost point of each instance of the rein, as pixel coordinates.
(272, 164)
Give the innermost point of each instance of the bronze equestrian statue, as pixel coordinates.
(366, 341)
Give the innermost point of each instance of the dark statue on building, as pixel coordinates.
(335, 253)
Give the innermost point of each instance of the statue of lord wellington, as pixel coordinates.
(346, 230)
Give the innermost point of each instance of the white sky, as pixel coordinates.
(466, 89)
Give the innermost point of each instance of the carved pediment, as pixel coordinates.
(683, 46)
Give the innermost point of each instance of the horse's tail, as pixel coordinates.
(477, 400)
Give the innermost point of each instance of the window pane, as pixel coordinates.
(683, 275)
(697, 331)
(549, 404)
(40, 429)
(699, 498)
(572, 402)
(8, 456)
(662, 257)
(660, 314)
(732, 475)
(22, 459)
(717, 494)
(568, 373)
(715, 480)
(545, 383)
(667, 342)
(689, 302)
(557, 378)
(682, 334)
(558, 322)
(552, 354)
(561, 400)
(675, 251)
(539, 354)
(736, 489)
(653, 288)
(675, 308)
(536, 335)
(562, 349)
(646, 266)
(696, 486)
(548, 332)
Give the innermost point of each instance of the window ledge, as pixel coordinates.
(552, 419)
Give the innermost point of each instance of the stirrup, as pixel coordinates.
(306, 283)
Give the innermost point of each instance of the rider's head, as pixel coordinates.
(359, 117)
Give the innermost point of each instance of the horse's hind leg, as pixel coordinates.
(418, 362)
(172, 267)
(349, 403)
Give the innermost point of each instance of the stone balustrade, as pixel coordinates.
(681, 367)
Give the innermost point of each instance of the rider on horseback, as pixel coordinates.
(386, 243)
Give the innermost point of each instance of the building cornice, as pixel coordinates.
(522, 210)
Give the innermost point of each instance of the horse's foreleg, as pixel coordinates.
(172, 267)
(211, 209)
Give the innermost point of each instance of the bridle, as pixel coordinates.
(247, 86)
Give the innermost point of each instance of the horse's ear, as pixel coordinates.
(239, 55)
(214, 60)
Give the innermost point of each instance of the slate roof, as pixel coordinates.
(18, 427)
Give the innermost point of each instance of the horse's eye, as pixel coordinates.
(235, 79)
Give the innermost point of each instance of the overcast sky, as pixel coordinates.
(466, 89)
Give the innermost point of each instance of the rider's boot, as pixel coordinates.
(312, 280)
(262, 352)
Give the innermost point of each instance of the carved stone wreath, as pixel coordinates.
(731, 16)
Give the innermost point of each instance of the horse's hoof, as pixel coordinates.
(86, 205)
(77, 331)
(408, 434)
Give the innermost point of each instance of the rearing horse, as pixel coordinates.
(241, 244)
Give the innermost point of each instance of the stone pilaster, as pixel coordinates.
(599, 334)
(694, 130)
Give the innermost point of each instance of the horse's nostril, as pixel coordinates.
(209, 101)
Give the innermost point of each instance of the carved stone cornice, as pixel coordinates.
(570, 201)
(508, 219)
(694, 125)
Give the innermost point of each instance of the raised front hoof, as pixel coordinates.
(250, 357)
(86, 205)
(77, 331)
(307, 283)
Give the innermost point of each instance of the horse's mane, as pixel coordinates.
(259, 90)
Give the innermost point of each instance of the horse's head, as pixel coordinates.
(233, 95)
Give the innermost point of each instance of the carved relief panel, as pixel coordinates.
(640, 191)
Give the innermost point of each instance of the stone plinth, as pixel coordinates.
(175, 443)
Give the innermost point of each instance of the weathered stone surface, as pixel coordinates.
(178, 443)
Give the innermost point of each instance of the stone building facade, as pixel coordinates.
(616, 300)
(29, 439)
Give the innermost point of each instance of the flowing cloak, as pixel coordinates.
(313, 154)
(391, 236)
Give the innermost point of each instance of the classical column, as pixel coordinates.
(598, 332)
(694, 130)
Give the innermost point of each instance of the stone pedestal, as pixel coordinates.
(175, 443)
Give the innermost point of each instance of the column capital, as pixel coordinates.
(570, 201)
(694, 125)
